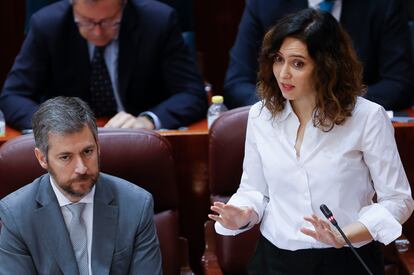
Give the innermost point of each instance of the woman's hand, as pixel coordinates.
(233, 217)
(323, 232)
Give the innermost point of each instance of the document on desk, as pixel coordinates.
(402, 119)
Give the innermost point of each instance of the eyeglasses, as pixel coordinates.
(112, 22)
(103, 24)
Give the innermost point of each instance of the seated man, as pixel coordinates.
(379, 32)
(127, 59)
(76, 219)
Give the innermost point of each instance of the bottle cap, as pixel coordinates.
(217, 99)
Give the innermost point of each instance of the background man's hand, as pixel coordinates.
(128, 121)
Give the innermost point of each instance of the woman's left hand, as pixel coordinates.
(323, 232)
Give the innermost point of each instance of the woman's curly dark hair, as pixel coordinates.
(337, 74)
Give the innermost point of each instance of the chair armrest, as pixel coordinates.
(209, 260)
(185, 268)
(405, 254)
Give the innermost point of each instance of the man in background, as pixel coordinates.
(127, 59)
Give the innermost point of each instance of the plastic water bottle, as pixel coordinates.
(216, 109)
(2, 125)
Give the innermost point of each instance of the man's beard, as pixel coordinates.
(67, 186)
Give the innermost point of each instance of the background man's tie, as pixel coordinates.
(77, 233)
(326, 5)
(102, 95)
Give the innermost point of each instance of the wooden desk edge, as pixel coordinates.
(183, 133)
(196, 129)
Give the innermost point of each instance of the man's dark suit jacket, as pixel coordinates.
(34, 238)
(155, 70)
(379, 31)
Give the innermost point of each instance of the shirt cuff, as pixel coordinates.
(382, 226)
(229, 232)
(157, 122)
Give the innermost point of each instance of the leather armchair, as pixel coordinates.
(139, 156)
(404, 246)
(230, 254)
(227, 254)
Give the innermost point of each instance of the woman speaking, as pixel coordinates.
(313, 140)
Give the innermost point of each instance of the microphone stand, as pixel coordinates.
(328, 214)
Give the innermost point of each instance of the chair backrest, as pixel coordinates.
(139, 156)
(226, 152)
(227, 136)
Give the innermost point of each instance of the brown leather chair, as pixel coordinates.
(405, 137)
(230, 254)
(405, 246)
(227, 254)
(139, 156)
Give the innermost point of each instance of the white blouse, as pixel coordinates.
(342, 168)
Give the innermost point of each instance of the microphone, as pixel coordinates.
(328, 214)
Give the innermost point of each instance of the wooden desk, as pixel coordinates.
(10, 133)
(196, 129)
(190, 149)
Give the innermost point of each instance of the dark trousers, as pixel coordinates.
(268, 259)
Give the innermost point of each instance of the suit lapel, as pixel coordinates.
(51, 228)
(351, 14)
(272, 11)
(75, 58)
(292, 6)
(356, 19)
(80, 60)
(105, 223)
(82, 65)
(299, 5)
(129, 38)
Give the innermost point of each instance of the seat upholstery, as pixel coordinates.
(139, 156)
(226, 152)
(230, 254)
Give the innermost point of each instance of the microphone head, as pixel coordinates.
(328, 214)
(325, 210)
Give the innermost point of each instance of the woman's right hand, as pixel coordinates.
(233, 217)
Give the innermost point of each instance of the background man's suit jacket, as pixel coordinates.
(378, 29)
(155, 70)
(34, 238)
